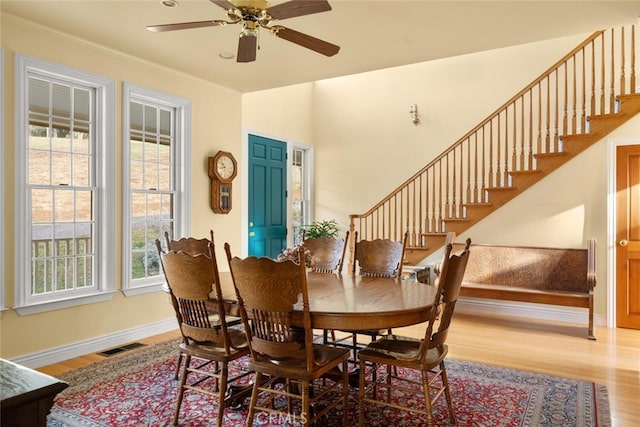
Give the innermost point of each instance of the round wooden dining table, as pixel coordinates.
(354, 302)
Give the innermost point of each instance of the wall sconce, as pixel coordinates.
(413, 111)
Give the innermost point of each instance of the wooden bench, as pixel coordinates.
(557, 276)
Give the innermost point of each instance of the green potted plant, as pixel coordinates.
(323, 228)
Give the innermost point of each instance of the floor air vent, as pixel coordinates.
(117, 350)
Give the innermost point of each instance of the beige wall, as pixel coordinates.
(366, 145)
(216, 126)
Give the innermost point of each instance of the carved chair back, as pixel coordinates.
(190, 245)
(191, 279)
(267, 292)
(448, 285)
(327, 253)
(379, 257)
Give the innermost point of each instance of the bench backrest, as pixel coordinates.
(544, 269)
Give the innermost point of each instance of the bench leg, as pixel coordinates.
(591, 335)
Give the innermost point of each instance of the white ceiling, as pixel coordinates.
(373, 34)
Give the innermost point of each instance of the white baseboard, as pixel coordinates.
(467, 305)
(527, 310)
(96, 344)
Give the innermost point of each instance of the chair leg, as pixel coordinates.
(183, 380)
(361, 377)
(224, 374)
(178, 366)
(306, 406)
(427, 398)
(345, 393)
(447, 393)
(254, 398)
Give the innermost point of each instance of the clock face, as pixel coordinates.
(225, 167)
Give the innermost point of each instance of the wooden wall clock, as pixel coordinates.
(222, 169)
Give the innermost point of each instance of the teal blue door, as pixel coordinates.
(267, 196)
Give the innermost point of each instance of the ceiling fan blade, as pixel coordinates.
(305, 40)
(295, 8)
(184, 26)
(247, 46)
(226, 5)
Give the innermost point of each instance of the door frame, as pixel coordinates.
(612, 145)
(244, 181)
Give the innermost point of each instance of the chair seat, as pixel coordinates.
(325, 359)
(216, 350)
(404, 350)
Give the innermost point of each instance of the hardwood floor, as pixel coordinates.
(533, 345)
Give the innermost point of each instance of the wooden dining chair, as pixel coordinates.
(379, 257)
(374, 258)
(192, 246)
(426, 355)
(283, 350)
(327, 257)
(206, 336)
(327, 253)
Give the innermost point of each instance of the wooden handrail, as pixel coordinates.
(532, 123)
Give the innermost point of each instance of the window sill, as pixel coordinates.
(58, 305)
(141, 290)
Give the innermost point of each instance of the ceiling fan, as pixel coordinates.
(256, 14)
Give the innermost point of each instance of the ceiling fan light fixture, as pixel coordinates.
(256, 14)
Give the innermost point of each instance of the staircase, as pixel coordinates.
(574, 104)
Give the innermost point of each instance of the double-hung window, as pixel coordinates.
(65, 218)
(156, 148)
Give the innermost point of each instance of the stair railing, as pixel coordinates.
(585, 82)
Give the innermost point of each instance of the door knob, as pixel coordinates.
(623, 242)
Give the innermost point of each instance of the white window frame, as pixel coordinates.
(2, 193)
(182, 178)
(308, 187)
(104, 261)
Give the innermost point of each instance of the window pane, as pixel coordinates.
(81, 171)
(138, 206)
(150, 119)
(150, 148)
(64, 206)
(83, 205)
(61, 166)
(165, 122)
(61, 140)
(135, 117)
(39, 96)
(164, 179)
(153, 206)
(41, 205)
(39, 167)
(61, 97)
(81, 100)
(81, 143)
(150, 175)
(136, 175)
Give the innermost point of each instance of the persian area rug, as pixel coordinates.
(136, 388)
